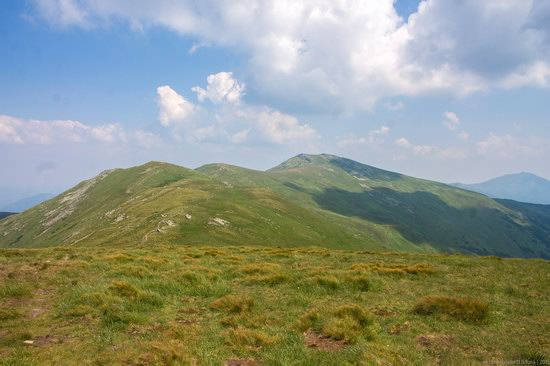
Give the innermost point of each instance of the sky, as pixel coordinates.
(448, 90)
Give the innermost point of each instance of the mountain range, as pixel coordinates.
(321, 200)
(523, 187)
(27, 202)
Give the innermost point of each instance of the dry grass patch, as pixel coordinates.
(270, 279)
(233, 304)
(461, 308)
(247, 338)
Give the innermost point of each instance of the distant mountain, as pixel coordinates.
(523, 187)
(6, 214)
(28, 202)
(321, 200)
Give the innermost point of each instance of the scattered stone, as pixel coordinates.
(218, 221)
(35, 313)
(120, 217)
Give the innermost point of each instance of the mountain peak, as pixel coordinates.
(523, 187)
(303, 160)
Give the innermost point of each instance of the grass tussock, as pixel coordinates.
(126, 290)
(269, 279)
(247, 338)
(347, 322)
(14, 290)
(233, 304)
(359, 282)
(7, 314)
(79, 311)
(327, 281)
(461, 308)
(118, 257)
(130, 270)
(398, 269)
(260, 268)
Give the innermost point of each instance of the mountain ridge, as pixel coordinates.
(321, 200)
(523, 187)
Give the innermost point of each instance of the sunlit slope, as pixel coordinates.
(320, 200)
(160, 202)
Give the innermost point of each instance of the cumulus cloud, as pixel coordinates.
(15, 130)
(229, 119)
(430, 151)
(316, 51)
(222, 87)
(279, 127)
(173, 108)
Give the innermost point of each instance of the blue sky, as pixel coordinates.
(450, 91)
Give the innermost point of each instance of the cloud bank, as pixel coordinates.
(345, 54)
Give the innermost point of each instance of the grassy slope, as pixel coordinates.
(160, 305)
(138, 205)
(308, 200)
(423, 212)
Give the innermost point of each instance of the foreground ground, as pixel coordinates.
(269, 306)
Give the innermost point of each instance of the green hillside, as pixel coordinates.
(320, 200)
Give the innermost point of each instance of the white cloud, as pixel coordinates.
(402, 142)
(173, 107)
(63, 13)
(109, 133)
(229, 119)
(451, 120)
(279, 127)
(221, 87)
(374, 137)
(430, 151)
(15, 130)
(314, 52)
(507, 146)
(240, 137)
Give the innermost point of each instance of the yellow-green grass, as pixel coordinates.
(183, 305)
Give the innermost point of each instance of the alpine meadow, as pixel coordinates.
(273, 183)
